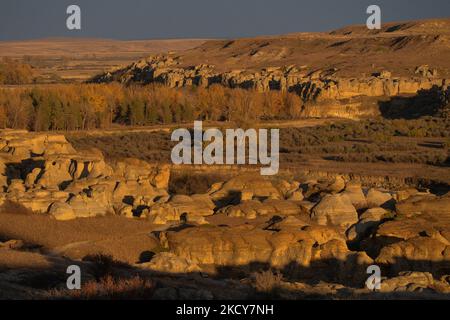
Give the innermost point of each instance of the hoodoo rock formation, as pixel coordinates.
(322, 92)
(318, 85)
(44, 174)
(312, 230)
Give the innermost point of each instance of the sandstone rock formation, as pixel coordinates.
(318, 85)
(340, 83)
(244, 245)
(308, 230)
(335, 210)
(322, 93)
(190, 208)
(44, 174)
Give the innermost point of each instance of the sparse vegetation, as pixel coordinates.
(423, 141)
(109, 288)
(394, 141)
(267, 281)
(149, 146)
(190, 183)
(104, 266)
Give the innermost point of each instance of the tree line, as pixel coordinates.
(13, 72)
(90, 106)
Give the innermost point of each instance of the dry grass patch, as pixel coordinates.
(109, 288)
(268, 281)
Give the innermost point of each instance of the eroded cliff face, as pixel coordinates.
(334, 73)
(322, 92)
(310, 84)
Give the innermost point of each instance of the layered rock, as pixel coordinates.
(182, 208)
(288, 248)
(335, 210)
(309, 84)
(355, 193)
(44, 174)
(340, 96)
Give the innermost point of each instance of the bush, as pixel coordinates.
(268, 281)
(109, 288)
(104, 266)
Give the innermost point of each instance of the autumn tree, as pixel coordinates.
(12, 72)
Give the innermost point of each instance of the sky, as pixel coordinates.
(159, 19)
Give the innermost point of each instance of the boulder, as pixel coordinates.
(376, 198)
(16, 186)
(92, 204)
(295, 195)
(56, 172)
(259, 186)
(368, 220)
(53, 170)
(21, 144)
(37, 201)
(300, 253)
(62, 211)
(354, 191)
(418, 253)
(31, 178)
(168, 262)
(408, 282)
(336, 209)
(126, 211)
(435, 207)
(251, 209)
(181, 207)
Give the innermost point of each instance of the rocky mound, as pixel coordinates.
(44, 174)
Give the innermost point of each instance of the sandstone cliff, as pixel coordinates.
(331, 72)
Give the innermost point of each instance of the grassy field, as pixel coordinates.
(412, 149)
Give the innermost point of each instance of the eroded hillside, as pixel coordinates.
(333, 71)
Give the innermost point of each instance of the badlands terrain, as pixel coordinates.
(137, 234)
(364, 178)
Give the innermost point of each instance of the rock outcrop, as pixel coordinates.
(44, 174)
(288, 248)
(311, 85)
(327, 230)
(335, 210)
(323, 93)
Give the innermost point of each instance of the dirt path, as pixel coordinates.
(300, 123)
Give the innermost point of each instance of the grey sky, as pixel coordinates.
(154, 19)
